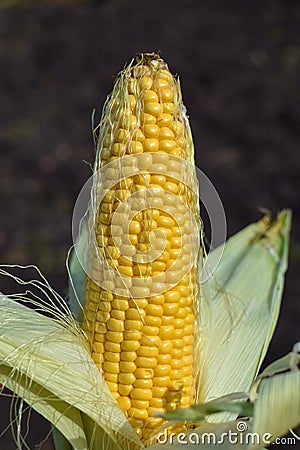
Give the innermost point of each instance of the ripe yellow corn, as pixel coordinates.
(142, 288)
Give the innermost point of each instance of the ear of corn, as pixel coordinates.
(46, 361)
(142, 289)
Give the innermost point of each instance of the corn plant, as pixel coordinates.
(160, 341)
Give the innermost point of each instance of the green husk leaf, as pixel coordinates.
(60, 442)
(240, 306)
(96, 436)
(77, 275)
(277, 407)
(288, 362)
(53, 353)
(65, 417)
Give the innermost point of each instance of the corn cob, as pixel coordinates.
(142, 279)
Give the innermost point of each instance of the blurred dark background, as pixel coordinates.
(239, 64)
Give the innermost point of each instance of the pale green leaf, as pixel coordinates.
(96, 436)
(60, 442)
(77, 275)
(62, 415)
(290, 361)
(277, 407)
(240, 305)
(54, 354)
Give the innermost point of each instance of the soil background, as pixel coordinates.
(239, 64)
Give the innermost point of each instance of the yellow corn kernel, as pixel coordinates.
(150, 96)
(140, 414)
(151, 145)
(153, 108)
(143, 383)
(160, 84)
(150, 352)
(141, 394)
(125, 389)
(146, 118)
(124, 403)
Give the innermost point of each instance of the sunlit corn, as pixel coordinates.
(143, 283)
(45, 359)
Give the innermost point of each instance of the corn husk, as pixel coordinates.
(240, 306)
(278, 389)
(77, 275)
